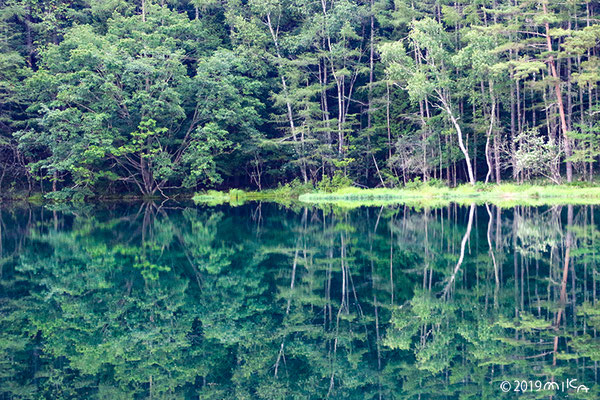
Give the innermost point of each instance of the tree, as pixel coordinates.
(536, 156)
(377, 92)
(428, 76)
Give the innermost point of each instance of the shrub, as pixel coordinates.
(236, 194)
(414, 183)
(483, 187)
(338, 181)
(391, 180)
(436, 183)
(69, 194)
(294, 188)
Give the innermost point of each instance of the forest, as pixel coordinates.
(152, 98)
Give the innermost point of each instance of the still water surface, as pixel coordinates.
(260, 301)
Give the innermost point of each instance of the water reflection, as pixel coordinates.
(260, 301)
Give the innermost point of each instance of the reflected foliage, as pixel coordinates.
(121, 301)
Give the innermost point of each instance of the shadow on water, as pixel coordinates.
(170, 300)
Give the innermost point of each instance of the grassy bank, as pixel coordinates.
(236, 196)
(416, 194)
(504, 194)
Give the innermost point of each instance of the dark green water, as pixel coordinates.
(131, 301)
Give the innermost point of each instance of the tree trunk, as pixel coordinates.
(460, 140)
(559, 100)
(490, 131)
(497, 149)
(513, 133)
(370, 90)
(29, 38)
(288, 105)
(387, 120)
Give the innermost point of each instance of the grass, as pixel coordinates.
(506, 195)
(283, 195)
(421, 195)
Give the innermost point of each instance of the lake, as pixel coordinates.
(263, 301)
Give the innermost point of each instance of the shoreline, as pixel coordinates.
(504, 195)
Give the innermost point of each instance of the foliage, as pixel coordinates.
(535, 155)
(162, 98)
(336, 182)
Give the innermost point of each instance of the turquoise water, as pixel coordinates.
(260, 301)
